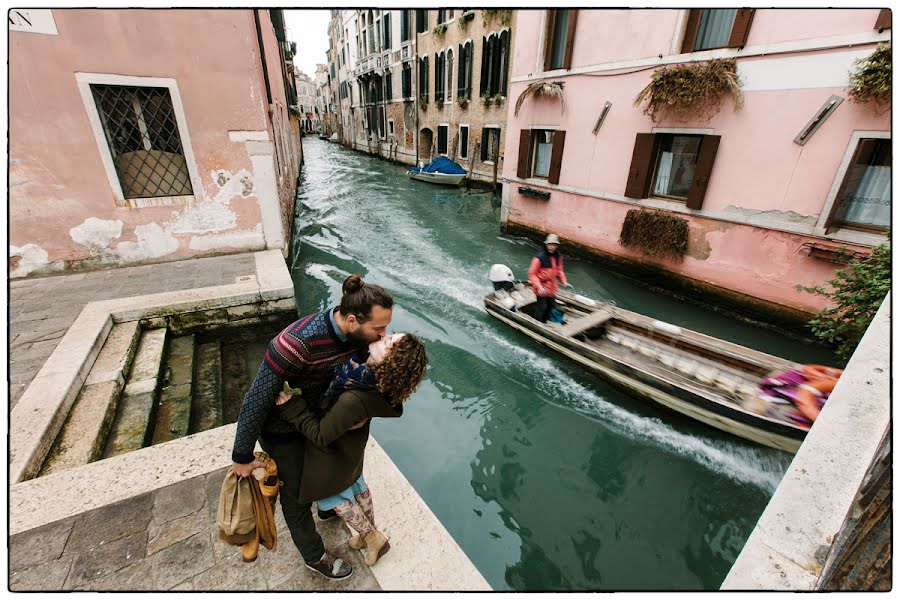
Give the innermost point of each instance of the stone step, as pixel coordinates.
(206, 412)
(83, 435)
(133, 425)
(173, 413)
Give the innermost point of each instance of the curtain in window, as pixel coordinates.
(558, 48)
(715, 28)
(663, 174)
(542, 151)
(870, 204)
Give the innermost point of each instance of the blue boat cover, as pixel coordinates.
(441, 164)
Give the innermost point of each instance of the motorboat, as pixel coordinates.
(441, 171)
(705, 378)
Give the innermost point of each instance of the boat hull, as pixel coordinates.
(438, 178)
(768, 432)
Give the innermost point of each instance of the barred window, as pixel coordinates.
(142, 133)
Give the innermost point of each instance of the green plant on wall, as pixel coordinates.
(462, 101)
(857, 292)
(691, 91)
(439, 29)
(871, 81)
(655, 233)
(423, 102)
(505, 16)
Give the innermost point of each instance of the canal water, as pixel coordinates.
(546, 476)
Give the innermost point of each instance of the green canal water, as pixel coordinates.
(546, 476)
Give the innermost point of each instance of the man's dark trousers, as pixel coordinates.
(289, 458)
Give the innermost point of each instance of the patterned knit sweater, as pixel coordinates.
(305, 355)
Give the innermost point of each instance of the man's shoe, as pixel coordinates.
(325, 515)
(331, 567)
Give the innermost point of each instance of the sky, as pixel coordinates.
(309, 28)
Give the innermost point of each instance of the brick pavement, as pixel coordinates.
(41, 310)
(167, 540)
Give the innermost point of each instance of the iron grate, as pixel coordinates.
(142, 134)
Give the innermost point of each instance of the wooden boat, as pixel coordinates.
(441, 171)
(702, 377)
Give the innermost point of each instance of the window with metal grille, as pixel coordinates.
(142, 134)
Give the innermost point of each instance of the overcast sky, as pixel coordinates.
(309, 28)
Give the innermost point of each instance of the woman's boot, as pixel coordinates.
(353, 515)
(377, 546)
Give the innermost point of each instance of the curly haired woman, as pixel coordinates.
(337, 430)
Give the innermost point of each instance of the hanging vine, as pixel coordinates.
(691, 91)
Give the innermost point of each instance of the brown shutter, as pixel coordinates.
(741, 27)
(559, 142)
(855, 171)
(638, 184)
(570, 38)
(709, 145)
(523, 171)
(690, 32)
(884, 19)
(548, 38)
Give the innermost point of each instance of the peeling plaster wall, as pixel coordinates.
(762, 263)
(60, 200)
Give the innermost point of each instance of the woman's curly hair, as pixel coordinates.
(402, 369)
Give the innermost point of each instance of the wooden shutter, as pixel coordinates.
(470, 61)
(548, 41)
(570, 38)
(559, 142)
(461, 71)
(884, 20)
(483, 88)
(494, 46)
(741, 27)
(855, 171)
(709, 145)
(690, 31)
(523, 169)
(426, 78)
(504, 76)
(404, 25)
(638, 184)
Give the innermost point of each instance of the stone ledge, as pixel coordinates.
(402, 514)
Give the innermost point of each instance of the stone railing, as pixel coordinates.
(824, 527)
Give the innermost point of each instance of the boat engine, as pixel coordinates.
(502, 277)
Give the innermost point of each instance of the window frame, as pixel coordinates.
(740, 29)
(532, 151)
(459, 147)
(852, 233)
(569, 43)
(487, 160)
(84, 81)
(655, 160)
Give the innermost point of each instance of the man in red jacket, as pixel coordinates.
(546, 267)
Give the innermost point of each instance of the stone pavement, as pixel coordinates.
(42, 309)
(167, 540)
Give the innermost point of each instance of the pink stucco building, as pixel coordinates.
(147, 135)
(766, 194)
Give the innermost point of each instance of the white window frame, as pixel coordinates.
(449, 94)
(846, 234)
(390, 128)
(468, 135)
(438, 137)
(84, 81)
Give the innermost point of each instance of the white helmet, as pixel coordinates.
(500, 273)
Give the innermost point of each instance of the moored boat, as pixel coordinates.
(705, 378)
(441, 170)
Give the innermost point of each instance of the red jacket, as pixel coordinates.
(543, 273)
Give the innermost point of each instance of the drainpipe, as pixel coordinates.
(262, 56)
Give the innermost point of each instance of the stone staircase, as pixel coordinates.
(146, 387)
